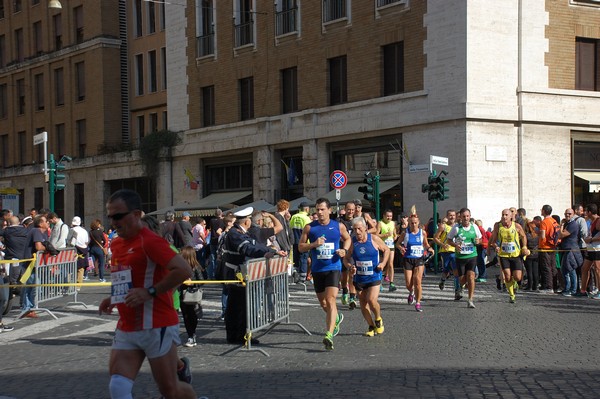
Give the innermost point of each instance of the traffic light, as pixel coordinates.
(58, 177)
(369, 189)
(431, 187)
(441, 186)
(55, 179)
(436, 186)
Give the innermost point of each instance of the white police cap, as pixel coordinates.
(244, 212)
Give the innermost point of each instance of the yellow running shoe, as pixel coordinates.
(510, 287)
(379, 326)
(371, 332)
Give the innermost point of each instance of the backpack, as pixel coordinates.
(554, 238)
(220, 257)
(167, 230)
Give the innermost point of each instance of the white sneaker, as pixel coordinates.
(470, 304)
(191, 342)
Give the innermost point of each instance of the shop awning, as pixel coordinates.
(350, 192)
(593, 178)
(206, 206)
(294, 204)
(260, 205)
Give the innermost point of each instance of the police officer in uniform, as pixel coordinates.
(239, 247)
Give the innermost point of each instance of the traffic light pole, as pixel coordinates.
(51, 181)
(435, 246)
(377, 201)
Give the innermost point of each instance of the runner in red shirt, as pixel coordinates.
(144, 272)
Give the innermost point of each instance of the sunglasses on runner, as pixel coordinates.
(118, 216)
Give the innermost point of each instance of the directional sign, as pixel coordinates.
(418, 168)
(435, 160)
(40, 138)
(338, 179)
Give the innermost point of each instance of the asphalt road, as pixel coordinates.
(542, 346)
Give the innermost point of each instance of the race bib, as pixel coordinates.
(389, 242)
(509, 247)
(120, 284)
(326, 251)
(416, 251)
(467, 248)
(364, 268)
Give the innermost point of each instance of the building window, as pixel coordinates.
(3, 101)
(38, 46)
(141, 127)
(163, 69)
(35, 2)
(334, 9)
(19, 49)
(59, 87)
(145, 187)
(79, 199)
(22, 148)
(137, 17)
(1, 9)
(162, 15)
(5, 150)
(338, 92)
(153, 122)
(20, 96)
(289, 90)
(286, 17)
(60, 139)
(80, 80)
(78, 16)
(229, 177)
(39, 149)
(205, 33)
(587, 64)
(39, 91)
(246, 88)
(383, 3)
(152, 77)
(38, 197)
(2, 50)
(57, 24)
(393, 68)
(80, 131)
(139, 74)
(151, 17)
(18, 5)
(165, 120)
(244, 22)
(208, 106)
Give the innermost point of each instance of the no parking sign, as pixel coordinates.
(338, 180)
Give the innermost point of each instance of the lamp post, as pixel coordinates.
(54, 4)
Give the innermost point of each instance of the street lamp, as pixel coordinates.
(54, 4)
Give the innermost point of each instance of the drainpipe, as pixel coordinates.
(520, 104)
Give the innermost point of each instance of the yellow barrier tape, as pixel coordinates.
(28, 271)
(16, 260)
(247, 338)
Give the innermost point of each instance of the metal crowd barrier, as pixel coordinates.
(55, 276)
(267, 297)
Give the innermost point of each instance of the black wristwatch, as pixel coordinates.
(152, 291)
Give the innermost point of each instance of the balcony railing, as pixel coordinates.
(334, 9)
(244, 34)
(382, 3)
(285, 21)
(205, 45)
